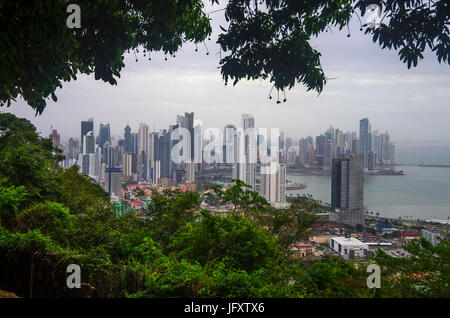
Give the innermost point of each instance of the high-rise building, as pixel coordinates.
(55, 138)
(288, 143)
(273, 185)
(89, 143)
(355, 146)
(156, 171)
(320, 147)
(198, 144)
(83, 163)
(304, 148)
(86, 126)
(143, 152)
(328, 154)
(238, 169)
(98, 163)
(104, 135)
(128, 140)
(164, 152)
(135, 143)
(73, 149)
(228, 141)
(92, 166)
(189, 125)
(173, 140)
(250, 149)
(190, 172)
(127, 165)
(365, 140)
(109, 156)
(391, 152)
(372, 160)
(384, 147)
(113, 181)
(177, 176)
(347, 190)
(153, 152)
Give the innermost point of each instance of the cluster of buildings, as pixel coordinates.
(142, 156)
(137, 197)
(336, 239)
(147, 156)
(267, 178)
(375, 148)
(134, 165)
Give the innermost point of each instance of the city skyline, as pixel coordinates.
(173, 156)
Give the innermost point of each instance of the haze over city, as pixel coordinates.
(364, 81)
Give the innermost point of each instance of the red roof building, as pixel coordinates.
(406, 237)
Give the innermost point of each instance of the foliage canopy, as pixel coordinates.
(268, 39)
(180, 250)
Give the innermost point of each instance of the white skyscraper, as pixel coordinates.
(273, 185)
(250, 148)
(156, 166)
(198, 143)
(92, 165)
(238, 171)
(127, 165)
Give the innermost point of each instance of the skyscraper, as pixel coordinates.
(109, 157)
(86, 126)
(89, 143)
(249, 165)
(143, 152)
(305, 146)
(355, 146)
(198, 144)
(172, 142)
(238, 169)
(128, 140)
(164, 153)
(73, 149)
(156, 171)
(113, 181)
(228, 141)
(153, 153)
(347, 190)
(391, 152)
(190, 172)
(104, 135)
(55, 138)
(365, 141)
(127, 165)
(135, 143)
(83, 163)
(273, 185)
(189, 125)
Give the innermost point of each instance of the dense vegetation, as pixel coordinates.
(50, 218)
(267, 39)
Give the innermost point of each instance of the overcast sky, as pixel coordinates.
(413, 105)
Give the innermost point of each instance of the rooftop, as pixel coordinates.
(347, 241)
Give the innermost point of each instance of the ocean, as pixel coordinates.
(422, 193)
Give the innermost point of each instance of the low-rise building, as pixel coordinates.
(301, 249)
(432, 236)
(348, 247)
(407, 237)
